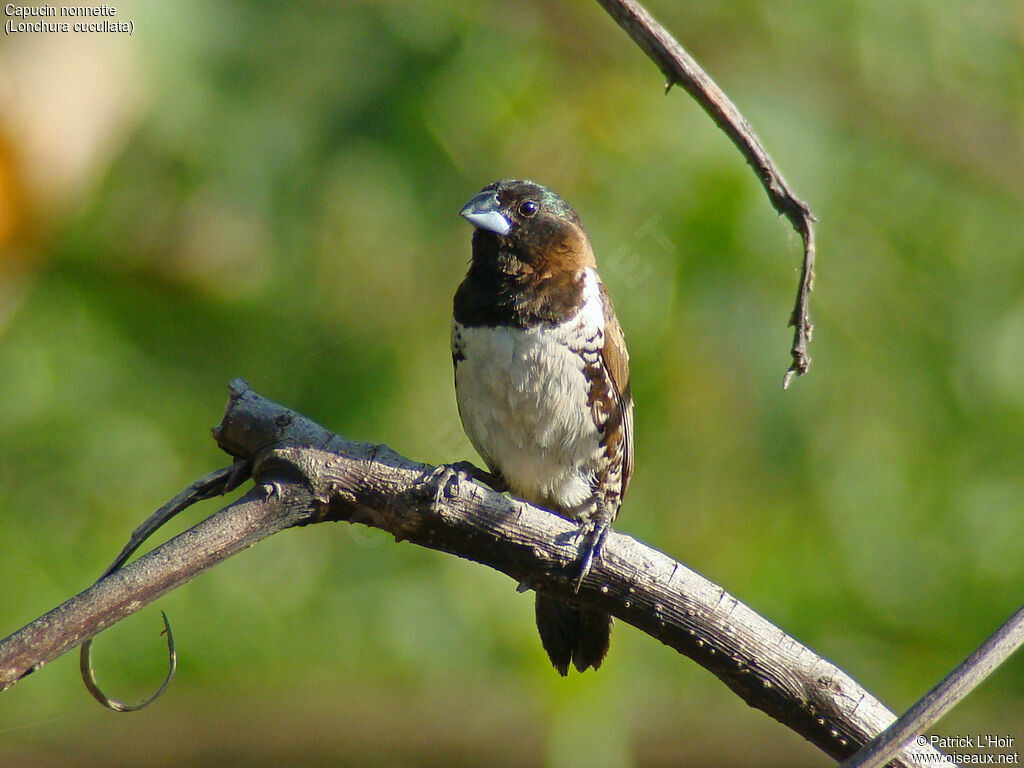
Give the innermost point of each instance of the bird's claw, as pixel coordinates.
(444, 476)
(593, 534)
(469, 470)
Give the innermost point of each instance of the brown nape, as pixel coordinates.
(553, 258)
(557, 295)
(553, 244)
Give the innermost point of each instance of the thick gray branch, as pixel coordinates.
(305, 474)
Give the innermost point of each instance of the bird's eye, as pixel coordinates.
(527, 208)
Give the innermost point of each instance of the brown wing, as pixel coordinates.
(616, 363)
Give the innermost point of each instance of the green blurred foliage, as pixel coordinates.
(281, 203)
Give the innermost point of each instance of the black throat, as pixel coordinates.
(504, 289)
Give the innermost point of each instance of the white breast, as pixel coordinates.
(522, 395)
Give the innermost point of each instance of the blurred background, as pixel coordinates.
(271, 190)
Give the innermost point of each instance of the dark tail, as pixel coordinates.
(572, 633)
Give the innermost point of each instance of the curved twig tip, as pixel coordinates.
(89, 675)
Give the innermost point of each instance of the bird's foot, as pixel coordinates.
(441, 478)
(469, 470)
(593, 533)
(444, 476)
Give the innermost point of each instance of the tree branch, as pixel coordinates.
(967, 676)
(252, 518)
(304, 474)
(680, 68)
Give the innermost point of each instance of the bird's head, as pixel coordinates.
(530, 223)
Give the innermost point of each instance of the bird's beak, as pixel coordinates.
(484, 212)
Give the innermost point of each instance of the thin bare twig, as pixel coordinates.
(216, 483)
(680, 68)
(944, 696)
(307, 475)
(257, 515)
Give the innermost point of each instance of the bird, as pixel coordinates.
(542, 383)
